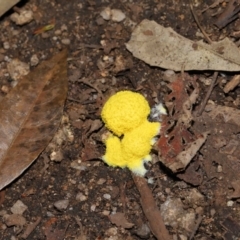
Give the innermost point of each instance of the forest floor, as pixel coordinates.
(74, 194)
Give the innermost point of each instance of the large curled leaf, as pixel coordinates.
(29, 116)
(163, 47)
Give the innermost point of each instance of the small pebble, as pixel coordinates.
(61, 204)
(107, 196)
(58, 32)
(5, 89)
(7, 59)
(66, 41)
(230, 203)
(106, 13)
(56, 156)
(81, 197)
(19, 207)
(34, 60)
(93, 208)
(117, 15)
(6, 45)
(150, 180)
(17, 69)
(219, 168)
(24, 17)
(106, 212)
(212, 212)
(101, 181)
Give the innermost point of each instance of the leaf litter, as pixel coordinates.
(163, 47)
(30, 115)
(187, 120)
(177, 145)
(120, 220)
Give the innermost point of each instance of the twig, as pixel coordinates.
(200, 27)
(198, 222)
(151, 210)
(200, 111)
(229, 14)
(215, 75)
(232, 84)
(30, 228)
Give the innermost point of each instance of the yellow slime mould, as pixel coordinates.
(125, 111)
(125, 115)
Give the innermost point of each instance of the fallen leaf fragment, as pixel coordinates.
(177, 145)
(6, 5)
(184, 157)
(220, 155)
(227, 114)
(15, 220)
(163, 47)
(29, 116)
(53, 233)
(193, 174)
(232, 228)
(120, 220)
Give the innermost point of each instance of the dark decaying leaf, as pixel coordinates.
(177, 145)
(29, 116)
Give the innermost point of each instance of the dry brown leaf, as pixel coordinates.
(53, 233)
(6, 5)
(177, 145)
(30, 115)
(163, 47)
(220, 154)
(120, 220)
(227, 114)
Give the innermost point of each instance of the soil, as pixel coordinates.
(73, 195)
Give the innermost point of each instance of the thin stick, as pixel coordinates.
(151, 210)
(215, 75)
(210, 89)
(200, 27)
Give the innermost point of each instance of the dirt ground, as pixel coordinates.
(73, 194)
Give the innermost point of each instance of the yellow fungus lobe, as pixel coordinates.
(125, 115)
(125, 111)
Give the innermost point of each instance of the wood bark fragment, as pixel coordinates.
(235, 81)
(151, 210)
(229, 14)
